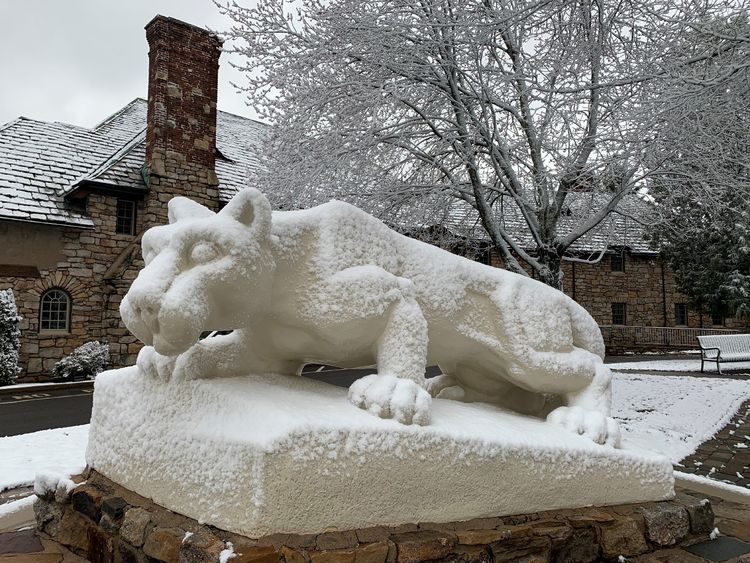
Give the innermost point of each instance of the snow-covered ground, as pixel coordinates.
(669, 415)
(674, 415)
(61, 450)
(681, 365)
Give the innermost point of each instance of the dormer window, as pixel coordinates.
(125, 224)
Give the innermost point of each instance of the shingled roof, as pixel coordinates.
(41, 163)
(621, 229)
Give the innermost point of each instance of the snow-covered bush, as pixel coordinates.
(85, 361)
(9, 338)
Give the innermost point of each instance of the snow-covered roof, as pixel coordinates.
(41, 162)
(621, 229)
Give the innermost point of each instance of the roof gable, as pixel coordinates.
(41, 162)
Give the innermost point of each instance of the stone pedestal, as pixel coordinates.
(259, 455)
(102, 521)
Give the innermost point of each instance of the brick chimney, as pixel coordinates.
(181, 125)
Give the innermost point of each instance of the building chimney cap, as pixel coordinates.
(179, 23)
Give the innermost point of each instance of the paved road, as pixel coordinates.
(29, 411)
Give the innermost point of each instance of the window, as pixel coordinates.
(125, 217)
(619, 313)
(617, 262)
(680, 314)
(54, 310)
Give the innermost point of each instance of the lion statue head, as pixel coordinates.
(203, 271)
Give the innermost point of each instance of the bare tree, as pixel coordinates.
(417, 109)
(704, 126)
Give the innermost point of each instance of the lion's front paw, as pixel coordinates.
(592, 424)
(387, 396)
(153, 364)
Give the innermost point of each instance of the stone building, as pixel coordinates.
(74, 202)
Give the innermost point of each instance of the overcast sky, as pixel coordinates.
(78, 61)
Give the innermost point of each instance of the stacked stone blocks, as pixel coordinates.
(102, 521)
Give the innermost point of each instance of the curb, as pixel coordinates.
(18, 390)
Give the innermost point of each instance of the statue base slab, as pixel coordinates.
(265, 454)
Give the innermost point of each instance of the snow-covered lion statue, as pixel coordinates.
(333, 285)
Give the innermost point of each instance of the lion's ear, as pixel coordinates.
(180, 208)
(251, 208)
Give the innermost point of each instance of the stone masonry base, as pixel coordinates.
(102, 521)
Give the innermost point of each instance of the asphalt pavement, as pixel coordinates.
(30, 410)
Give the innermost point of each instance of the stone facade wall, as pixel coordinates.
(104, 522)
(647, 286)
(87, 255)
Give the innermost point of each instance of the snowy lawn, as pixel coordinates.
(670, 415)
(681, 365)
(61, 450)
(673, 415)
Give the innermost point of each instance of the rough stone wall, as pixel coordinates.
(181, 133)
(87, 255)
(102, 521)
(650, 299)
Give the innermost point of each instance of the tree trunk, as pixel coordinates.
(549, 272)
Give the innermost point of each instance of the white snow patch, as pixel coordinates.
(58, 451)
(678, 365)
(187, 536)
(16, 506)
(714, 534)
(673, 415)
(738, 494)
(228, 553)
(49, 483)
(27, 386)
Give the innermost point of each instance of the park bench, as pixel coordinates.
(724, 348)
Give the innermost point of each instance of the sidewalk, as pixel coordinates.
(726, 457)
(30, 388)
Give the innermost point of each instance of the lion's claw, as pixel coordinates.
(592, 424)
(153, 364)
(387, 396)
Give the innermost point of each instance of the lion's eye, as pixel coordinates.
(203, 252)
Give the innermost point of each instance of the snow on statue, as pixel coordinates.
(334, 285)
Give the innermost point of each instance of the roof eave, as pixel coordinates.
(85, 187)
(50, 222)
